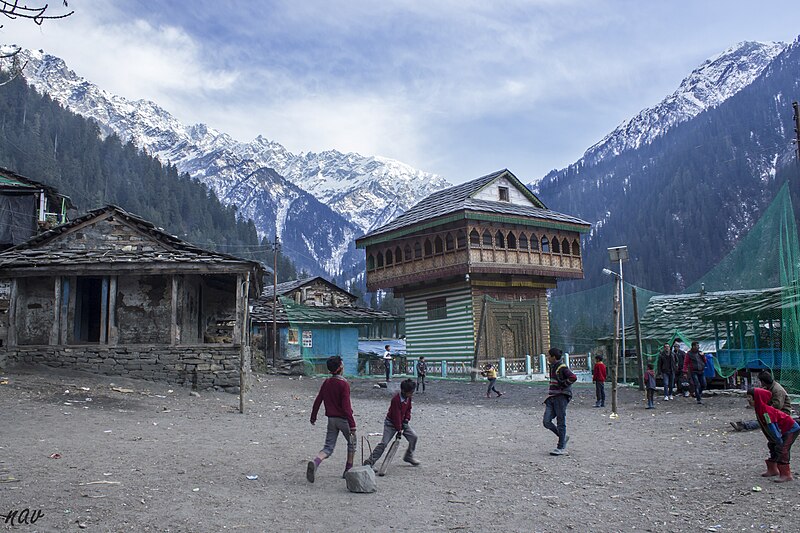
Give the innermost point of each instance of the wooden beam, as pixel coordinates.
(104, 311)
(113, 329)
(12, 314)
(67, 288)
(55, 330)
(237, 328)
(173, 327)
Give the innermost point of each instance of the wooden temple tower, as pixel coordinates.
(474, 263)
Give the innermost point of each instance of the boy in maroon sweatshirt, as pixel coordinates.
(335, 392)
(396, 423)
(781, 431)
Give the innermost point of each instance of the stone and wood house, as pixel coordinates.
(474, 263)
(110, 293)
(314, 319)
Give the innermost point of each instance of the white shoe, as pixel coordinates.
(671, 397)
(666, 398)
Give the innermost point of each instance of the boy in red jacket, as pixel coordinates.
(599, 378)
(335, 392)
(781, 431)
(396, 423)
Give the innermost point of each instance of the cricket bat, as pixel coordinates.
(389, 456)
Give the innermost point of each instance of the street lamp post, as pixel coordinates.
(618, 254)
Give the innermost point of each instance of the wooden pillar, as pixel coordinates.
(67, 288)
(113, 329)
(12, 314)
(173, 326)
(237, 328)
(104, 311)
(55, 330)
(245, 342)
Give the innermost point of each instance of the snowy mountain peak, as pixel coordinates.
(714, 81)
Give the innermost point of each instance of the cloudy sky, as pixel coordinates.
(456, 87)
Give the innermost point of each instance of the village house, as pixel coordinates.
(314, 320)
(26, 207)
(110, 293)
(474, 263)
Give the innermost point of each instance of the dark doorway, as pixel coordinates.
(88, 297)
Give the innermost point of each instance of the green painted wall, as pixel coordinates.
(450, 338)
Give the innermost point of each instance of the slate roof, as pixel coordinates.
(289, 286)
(288, 311)
(694, 314)
(458, 198)
(34, 253)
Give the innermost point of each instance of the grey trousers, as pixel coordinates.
(388, 434)
(336, 425)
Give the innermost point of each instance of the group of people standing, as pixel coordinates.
(681, 371)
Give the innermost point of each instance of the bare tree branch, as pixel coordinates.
(38, 15)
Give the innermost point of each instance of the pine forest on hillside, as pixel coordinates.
(41, 140)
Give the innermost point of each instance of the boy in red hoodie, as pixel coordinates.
(599, 378)
(781, 431)
(335, 392)
(396, 423)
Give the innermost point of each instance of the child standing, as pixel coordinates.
(387, 363)
(335, 392)
(650, 384)
(397, 423)
(491, 374)
(781, 431)
(599, 378)
(422, 371)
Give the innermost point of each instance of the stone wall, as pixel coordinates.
(34, 310)
(201, 366)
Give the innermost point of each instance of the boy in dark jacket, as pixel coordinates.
(335, 392)
(599, 378)
(694, 366)
(397, 423)
(781, 431)
(558, 396)
(667, 369)
(650, 385)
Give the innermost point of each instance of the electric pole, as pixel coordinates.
(276, 248)
(796, 130)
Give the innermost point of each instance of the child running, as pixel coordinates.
(781, 431)
(650, 384)
(335, 392)
(491, 374)
(397, 423)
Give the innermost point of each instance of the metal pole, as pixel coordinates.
(622, 315)
(275, 248)
(616, 353)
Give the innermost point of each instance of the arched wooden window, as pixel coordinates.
(417, 250)
(428, 248)
(576, 248)
(545, 245)
(523, 241)
(499, 239)
(461, 239)
(487, 239)
(449, 243)
(556, 246)
(534, 242)
(565, 246)
(389, 258)
(380, 259)
(370, 262)
(407, 253)
(437, 245)
(474, 238)
(398, 255)
(511, 240)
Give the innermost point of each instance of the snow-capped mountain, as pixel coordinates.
(710, 84)
(264, 180)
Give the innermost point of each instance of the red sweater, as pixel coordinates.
(599, 372)
(335, 392)
(399, 411)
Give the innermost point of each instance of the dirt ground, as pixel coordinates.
(161, 459)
